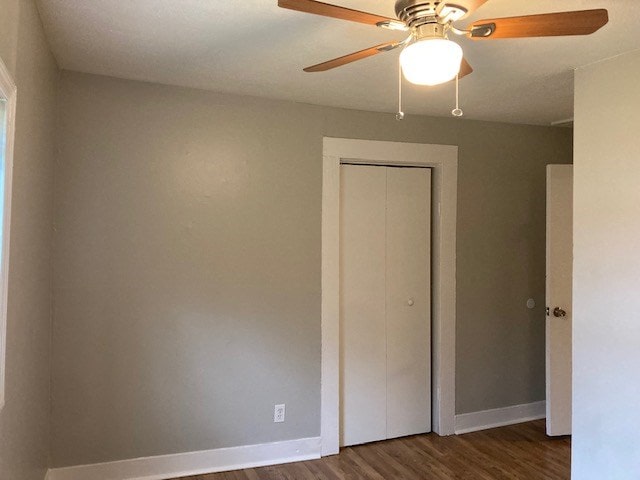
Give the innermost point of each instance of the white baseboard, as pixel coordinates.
(499, 417)
(194, 463)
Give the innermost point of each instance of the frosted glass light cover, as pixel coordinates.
(431, 61)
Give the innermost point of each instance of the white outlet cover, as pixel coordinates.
(278, 413)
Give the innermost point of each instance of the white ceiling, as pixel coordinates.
(253, 47)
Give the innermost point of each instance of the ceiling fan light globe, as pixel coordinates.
(431, 61)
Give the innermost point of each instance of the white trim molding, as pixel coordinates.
(499, 417)
(194, 463)
(8, 94)
(443, 160)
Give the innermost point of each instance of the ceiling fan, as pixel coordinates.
(428, 56)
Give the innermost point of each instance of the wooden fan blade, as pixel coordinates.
(327, 10)
(470, 5)
(352, 57)
(465, 69)
(583, 22)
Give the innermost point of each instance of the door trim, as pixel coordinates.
(443, 159)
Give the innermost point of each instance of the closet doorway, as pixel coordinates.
(385, 302)
(443, 164)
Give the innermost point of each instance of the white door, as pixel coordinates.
(363, 366)
(558, 297)
(385, 303)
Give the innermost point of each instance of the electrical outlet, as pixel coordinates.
(278, 413)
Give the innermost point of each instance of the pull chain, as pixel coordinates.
(400, 114)
(457, 112)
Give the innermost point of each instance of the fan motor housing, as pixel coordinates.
(429, 30)
(415, 13)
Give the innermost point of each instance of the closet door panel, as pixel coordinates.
(362, 304)
(408, 308)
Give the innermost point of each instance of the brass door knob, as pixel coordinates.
(558, 312)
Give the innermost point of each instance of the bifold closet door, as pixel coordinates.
(408, 301)
(363, 395)
(385, 303)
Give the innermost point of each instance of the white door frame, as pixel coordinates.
(8, 93)
(443, 159)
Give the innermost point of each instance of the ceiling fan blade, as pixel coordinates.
(583, 22)
(327, 10)
(465, 69)
(470, 5)
(352, 57)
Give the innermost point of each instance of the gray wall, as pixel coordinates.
(187, 264)
(24, 420)
(606, 326)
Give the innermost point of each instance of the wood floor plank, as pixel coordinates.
(517, 452)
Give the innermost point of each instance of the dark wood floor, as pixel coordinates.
(520, 452)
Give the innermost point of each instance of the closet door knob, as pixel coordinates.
(410, 302)
(558, 312)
